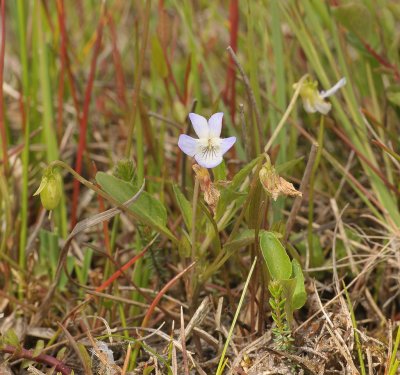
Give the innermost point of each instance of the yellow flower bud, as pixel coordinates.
(50, 189)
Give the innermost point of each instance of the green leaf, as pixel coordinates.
(148, 370)
(64, 280)
(275, 256)
(147, 209)
(299, 294)
(11, 338)
(244, 172)
(219, 172)
(394, 98)
(61, 354)
(158, 59)
(184, 246)
(230, 193)
(85, 355)
(395, 10)
(38, 348)
(244, 239)
(48, 250)
(184, 205)
(82, 271)
(355, 17)
(254, 205)
(289, 286)
(288, 166)
(317, 258)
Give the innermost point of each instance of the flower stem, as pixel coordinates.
(311, 190)
(194, 209)
(285, 115)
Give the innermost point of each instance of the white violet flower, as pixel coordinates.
(209, 148)
(314, 101)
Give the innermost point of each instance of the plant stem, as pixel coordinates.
(192, 282)
(285, 116)
(222, 362)
(138, 79)
(311, 191)
(2, 117)
(194, 209)
(26, 125)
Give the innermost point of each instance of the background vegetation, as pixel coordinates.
(165, 284)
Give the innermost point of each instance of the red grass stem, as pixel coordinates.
(84, 119)
(2, 53)
(230, 88)
(21, 353)
(64, 54)
(127, 265)
(121, 85)
(138, 79)
(373, 168)
(153, 305)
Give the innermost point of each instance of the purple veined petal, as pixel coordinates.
(215, 123)
(188, 145)
(207, 160)
(226, 144)
(200, 125)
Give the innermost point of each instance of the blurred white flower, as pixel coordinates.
(314, 100)
(209, 148)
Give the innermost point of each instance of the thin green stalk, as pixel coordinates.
(279, 58)
(377, 114)
(138, 79)
(193, 289)
(194, 210)
(222, 361)
(122, 317)
(50, 139)
(393, 369)
(25, 154)
(359, 192)
(311, 190)
(139, 276)
(394, 363)
(356, 336)
(280, 94)
(285, 116)
(5, 215)
(253, 74)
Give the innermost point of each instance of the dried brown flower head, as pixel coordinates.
(275, 185)
(211, 193)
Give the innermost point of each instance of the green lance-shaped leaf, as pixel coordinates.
(299, 294)
(158, 60)
(289, 287)
(275, 256)
(146, 208)
(184, 205)
(356, 17)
